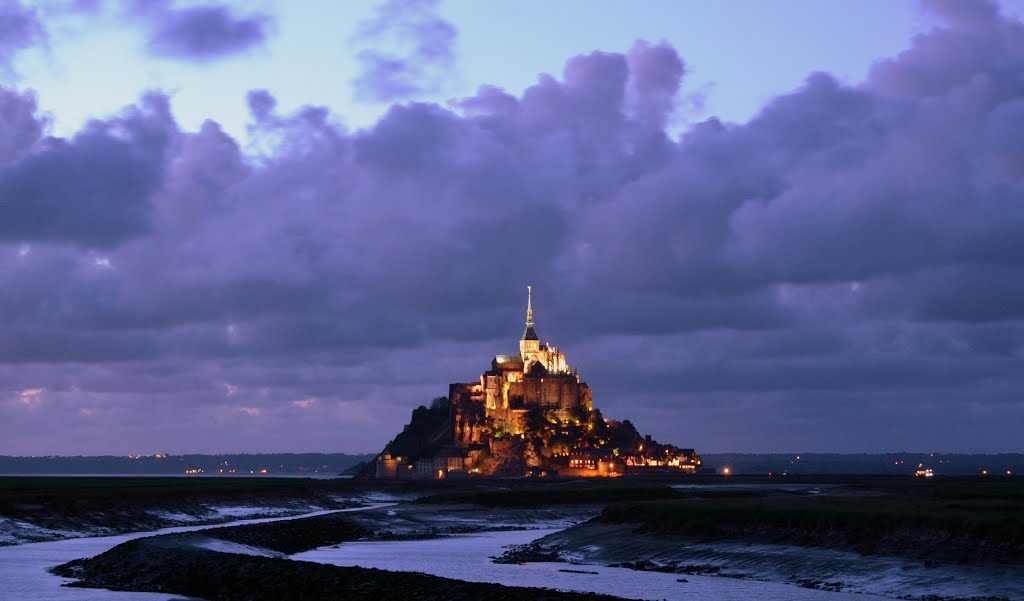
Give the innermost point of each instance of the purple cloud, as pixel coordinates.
(20, 126)
(19, 29)
(411, 51)
(201, 33)
(838, 273)
(981, 14)
(94, 189)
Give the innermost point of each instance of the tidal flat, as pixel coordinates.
(800, 538)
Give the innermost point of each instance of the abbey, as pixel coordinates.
(529, 414)
(537, 378)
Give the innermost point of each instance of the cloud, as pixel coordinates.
(261, 104)
(656, 74)
(201, 33)
(20, 126)
(981, 14)
(846, 261)
(409, 51)
(20, 29)
(30, 397)
(94, 189)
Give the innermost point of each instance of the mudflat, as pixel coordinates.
(249, 561)
(970, 529)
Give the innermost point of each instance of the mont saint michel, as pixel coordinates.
(530, 414)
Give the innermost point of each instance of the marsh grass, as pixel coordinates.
(949, 508)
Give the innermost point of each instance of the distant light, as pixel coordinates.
(1009, 472)
(984, 472)
(725, 471)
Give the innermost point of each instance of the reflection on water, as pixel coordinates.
(467, 557)
(24, 576)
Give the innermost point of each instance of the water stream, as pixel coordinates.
(24, 575)
(24, 568)
(468, 557)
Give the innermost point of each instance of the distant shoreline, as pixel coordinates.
(333, 465)
(174, 475)
(303, 465)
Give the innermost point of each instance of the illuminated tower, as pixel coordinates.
(530, 344)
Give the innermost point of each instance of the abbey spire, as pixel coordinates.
(529, 305)
(529, 333)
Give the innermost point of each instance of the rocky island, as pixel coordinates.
(530, 414)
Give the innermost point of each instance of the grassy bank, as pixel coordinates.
(56, 489)
(956, 518)
(57, 507)
(558, 493)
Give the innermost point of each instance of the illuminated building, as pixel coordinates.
(537, 378)
(529, 414)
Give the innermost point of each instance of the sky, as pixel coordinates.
(281, 226)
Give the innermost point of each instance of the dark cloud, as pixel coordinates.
(841, 272)
(261, 104)
(408, 50)
(979, 14)
(201, 33)
(20, 29)
(656, 73)
(94, 189)
(20, 126)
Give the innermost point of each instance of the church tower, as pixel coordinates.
(530, 344)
